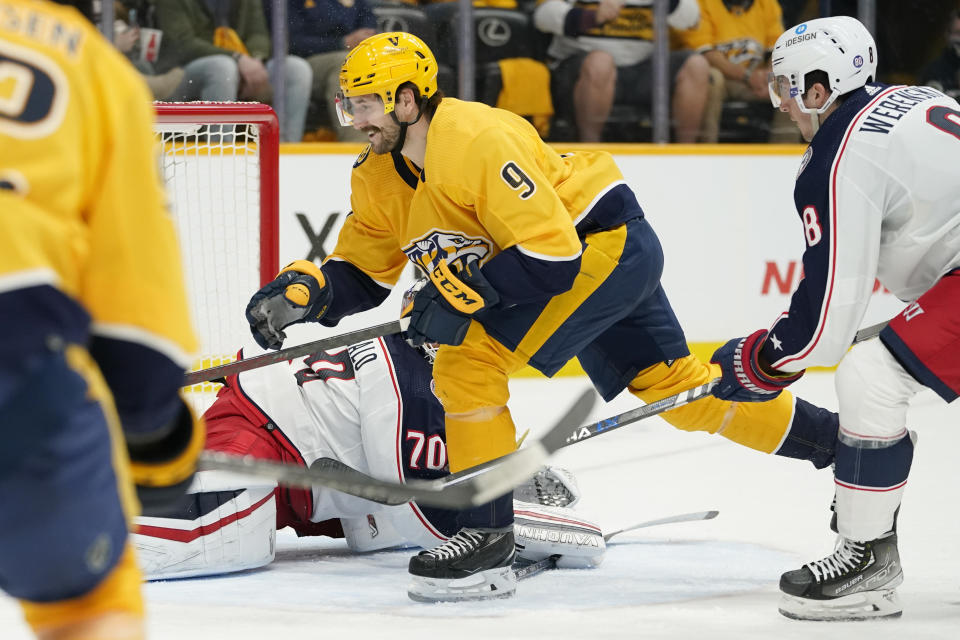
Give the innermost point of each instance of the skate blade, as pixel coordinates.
(485, 585)
(866, 605)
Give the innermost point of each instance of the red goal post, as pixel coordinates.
(220, 166)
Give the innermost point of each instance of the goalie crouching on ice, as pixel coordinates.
(370, 406)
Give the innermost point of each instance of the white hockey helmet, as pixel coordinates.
(429, 349)
(839, 46)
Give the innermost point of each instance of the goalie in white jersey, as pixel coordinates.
(878, 194)
(370, 406)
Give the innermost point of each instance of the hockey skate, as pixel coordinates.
(475, 564)
(856, 582)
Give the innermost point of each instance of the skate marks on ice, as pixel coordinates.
(318, 573)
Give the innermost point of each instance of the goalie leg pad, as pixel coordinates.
(226, 526)
(541, 532)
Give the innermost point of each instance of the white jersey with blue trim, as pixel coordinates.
(360, 405)
(878, 195)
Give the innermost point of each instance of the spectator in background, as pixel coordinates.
(222, 46)
(601, 55)
(521, 82)
(736, 37)
(323, 31)
(944, 72)
(126, 38)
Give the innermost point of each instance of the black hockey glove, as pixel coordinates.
(163, 462)
(743, 380)
(442, 310)
(299, 293)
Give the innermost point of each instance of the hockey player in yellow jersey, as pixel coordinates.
(95, 331)
(534, 257)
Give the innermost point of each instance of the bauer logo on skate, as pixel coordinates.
(451, 246)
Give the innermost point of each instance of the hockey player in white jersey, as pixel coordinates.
(370, 406)
(878, 195)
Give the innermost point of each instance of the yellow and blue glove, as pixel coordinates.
(442, 310)
(163, 461)
(299, 293)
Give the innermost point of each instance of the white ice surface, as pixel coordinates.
(715, 579)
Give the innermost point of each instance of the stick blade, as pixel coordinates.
(683, 517)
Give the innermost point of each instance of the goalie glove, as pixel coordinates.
(743, 379)
(442, 310)
(299, 293)
(163, 462)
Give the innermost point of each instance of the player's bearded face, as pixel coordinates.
(383, 136)
(366, 113)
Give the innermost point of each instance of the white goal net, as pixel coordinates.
(219, 163)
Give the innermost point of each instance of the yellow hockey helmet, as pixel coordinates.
(379, 65)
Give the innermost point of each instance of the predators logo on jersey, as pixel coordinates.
(741, 50)
(363, 156)
(451, 246)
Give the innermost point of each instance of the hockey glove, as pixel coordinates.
(163, 462)
(742, 379)
(299, 293)
(442, 310)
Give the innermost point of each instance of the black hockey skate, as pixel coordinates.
(856, 582)
(475, 564)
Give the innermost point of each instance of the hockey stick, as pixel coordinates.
(869, 332)
(675, 401)
(532, 569)
(344, 339)
(470, 488)
(654, 408)
(556, 438)
(683, 517)
(511, 469)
